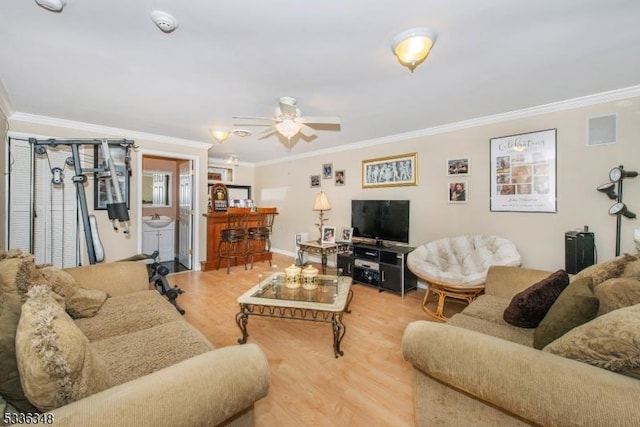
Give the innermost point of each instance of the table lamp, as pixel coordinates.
(321, 204)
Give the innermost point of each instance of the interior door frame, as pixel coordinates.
(195, 161)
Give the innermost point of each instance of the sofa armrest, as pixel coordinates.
(534, 385)
(504, 281)
(115, 278)
(202, 391)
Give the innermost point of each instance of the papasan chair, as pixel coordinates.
(456, 267)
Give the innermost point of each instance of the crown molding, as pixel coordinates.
(584, 101)
(89, 127)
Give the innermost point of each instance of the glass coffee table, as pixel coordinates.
(272, 298)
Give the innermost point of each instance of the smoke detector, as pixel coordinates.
(52, 5)
(165, 21)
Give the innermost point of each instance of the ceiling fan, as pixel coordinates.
(288, 120)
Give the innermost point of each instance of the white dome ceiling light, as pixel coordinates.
(165, 21)
(52, 5)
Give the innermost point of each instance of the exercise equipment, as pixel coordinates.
(158, 276)
(106, 172)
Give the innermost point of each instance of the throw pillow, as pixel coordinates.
(59, 280)
(85, 302)
(529, 307)
(80, 302)
(576, 305)
(10, 388)
(611, 341)
(617, 293)
(56, 362)
(609, 269)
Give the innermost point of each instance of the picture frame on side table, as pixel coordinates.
(459, 166)
(346, 234)
(392, 171)
(458, 191)
(523, 172)
(328, 234)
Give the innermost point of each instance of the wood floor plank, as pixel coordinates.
(370, 385)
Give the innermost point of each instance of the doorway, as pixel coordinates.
(178, 181)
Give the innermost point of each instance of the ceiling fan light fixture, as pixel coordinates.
(413, 46)
(288, 128)
(52, 5)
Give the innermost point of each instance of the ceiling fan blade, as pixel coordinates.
(308, 131)
(253, 118)
(320, 120)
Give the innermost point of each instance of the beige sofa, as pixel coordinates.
(158, 370)
(476, 369)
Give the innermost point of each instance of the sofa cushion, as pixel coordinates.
(529, 307)
(487, 307)
(80, 302)
(610, 341)
(128, 313)
(501, 330)
(576, 305)
(140, 353)
(622, 266)
(56, 362)
(617, 293)
(18, 273)
(10, 387)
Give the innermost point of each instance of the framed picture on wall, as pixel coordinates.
(459, 166)
(392, 171)
(339, 177)
(118, 155)
(458, 191)
(315, 180)
(523, 172)
(327, 171)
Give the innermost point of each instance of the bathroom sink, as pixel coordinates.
(157, 222)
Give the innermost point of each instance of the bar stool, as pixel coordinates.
(233, 238)
(259, 236)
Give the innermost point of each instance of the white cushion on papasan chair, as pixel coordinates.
(462, 260)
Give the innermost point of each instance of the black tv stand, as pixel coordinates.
(384, 267)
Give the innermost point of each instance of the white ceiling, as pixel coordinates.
(105, 63)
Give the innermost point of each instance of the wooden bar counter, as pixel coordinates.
(216, 222)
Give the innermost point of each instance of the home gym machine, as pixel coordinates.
(107, 176)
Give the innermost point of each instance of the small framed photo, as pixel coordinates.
(339, 177)
(458, 192)
(301, 238)
(346, 233)
(315, 180)
(327, 171)
(459, 166)
(328, 234)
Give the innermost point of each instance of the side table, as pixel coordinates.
(322, 249)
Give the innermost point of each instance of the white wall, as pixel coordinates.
(538, 236)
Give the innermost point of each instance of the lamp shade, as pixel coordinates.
(322, 203)
(413, 46)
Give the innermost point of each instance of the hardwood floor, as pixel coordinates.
(370, 385)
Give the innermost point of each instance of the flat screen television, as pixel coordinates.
(381, 219)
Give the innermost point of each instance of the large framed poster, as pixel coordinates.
(523, 172)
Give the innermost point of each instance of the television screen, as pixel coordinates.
(381, 219)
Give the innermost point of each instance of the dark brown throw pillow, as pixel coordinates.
(576, 305)
(529, 307)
